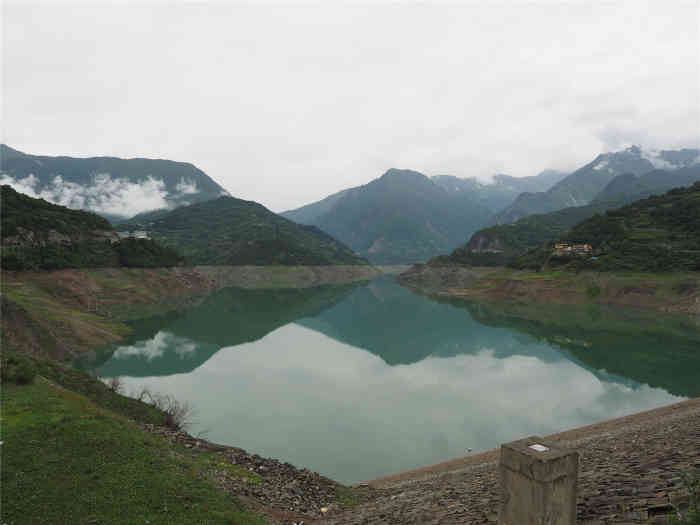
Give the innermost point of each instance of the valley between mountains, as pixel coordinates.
(353, 338)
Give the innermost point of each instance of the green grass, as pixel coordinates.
(212, 460)
(349, 496)
(67, 460)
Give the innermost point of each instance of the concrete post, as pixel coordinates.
(538, 483)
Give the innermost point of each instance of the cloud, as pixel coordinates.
(186, 187)
(286, 105)
(103, 193)
(156, 347)
(656, 160)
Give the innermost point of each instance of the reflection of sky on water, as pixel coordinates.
(303, 397)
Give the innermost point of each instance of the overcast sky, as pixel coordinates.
(285, 104)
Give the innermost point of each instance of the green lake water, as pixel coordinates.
(366, 380)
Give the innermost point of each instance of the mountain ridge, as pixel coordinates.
(111, 186)
(231, 231)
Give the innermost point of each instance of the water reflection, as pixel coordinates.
(346, 413)
(365, 381)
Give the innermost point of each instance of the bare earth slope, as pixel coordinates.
(672, 292)
(59, 314)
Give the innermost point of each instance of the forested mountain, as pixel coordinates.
(496, 245)
(582, 186)
(405, 217)
(38, 235)
(233, 231)
(113, 187)
(659, 233)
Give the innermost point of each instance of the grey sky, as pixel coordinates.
(285, 104)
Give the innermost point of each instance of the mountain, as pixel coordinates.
(582, 186)
(309, 213)
(630, 187)
(657, 234)
(38, 235)
(405, 216)
(113, 187)
(236, 232)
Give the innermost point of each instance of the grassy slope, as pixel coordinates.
(68, 460)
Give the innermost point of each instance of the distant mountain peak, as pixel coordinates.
(582, 186)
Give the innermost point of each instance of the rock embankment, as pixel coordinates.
(631, 472)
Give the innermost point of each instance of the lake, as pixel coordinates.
(364, 380)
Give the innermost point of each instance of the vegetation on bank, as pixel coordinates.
(498, 245)
(130, 253)
(229, 231)
(657, 234)
(73, 454)
(691, 515)
(38, 235)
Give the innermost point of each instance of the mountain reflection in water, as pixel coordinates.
(361, 381)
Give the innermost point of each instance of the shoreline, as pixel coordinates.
(672, 292)
(64, 313)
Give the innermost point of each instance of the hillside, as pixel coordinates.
(114, 187)
(497, 245)
(38, 235)
(236, 232)
(657, 234)
(582, 186)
